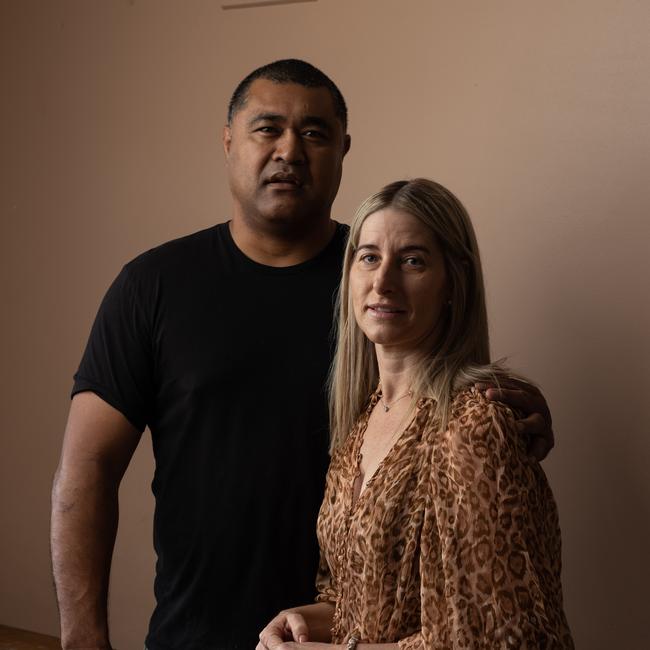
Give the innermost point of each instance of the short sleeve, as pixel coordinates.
(117, 363)
(490, 567)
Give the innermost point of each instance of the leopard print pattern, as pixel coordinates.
(453, 543)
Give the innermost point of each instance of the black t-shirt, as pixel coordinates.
(225, 360)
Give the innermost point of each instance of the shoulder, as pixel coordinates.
(470, 407)
(481, 433)
(339, 240)
(333, 252)
(177, 252)
(140, 280)
(178, 262)
(342, 230)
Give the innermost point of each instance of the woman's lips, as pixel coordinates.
(384, 312)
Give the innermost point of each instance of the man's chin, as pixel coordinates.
(286, 214)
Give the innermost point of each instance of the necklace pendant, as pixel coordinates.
(386, 408)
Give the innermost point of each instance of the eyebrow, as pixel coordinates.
(314, 120)
(308, 120)
(266, 117)
(411, 248)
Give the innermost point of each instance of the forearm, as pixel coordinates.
(83, 528)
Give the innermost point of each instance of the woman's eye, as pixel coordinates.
(413, 261)
(368, 258)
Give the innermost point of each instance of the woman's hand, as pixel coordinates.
(286, 628)
(308, 626)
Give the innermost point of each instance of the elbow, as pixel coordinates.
(76, 481)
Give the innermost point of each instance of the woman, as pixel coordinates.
(436, 530)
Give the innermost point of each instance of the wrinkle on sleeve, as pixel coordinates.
(324, 586)
(490, 545)
(327, 532)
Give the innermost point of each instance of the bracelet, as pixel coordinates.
(352, 643)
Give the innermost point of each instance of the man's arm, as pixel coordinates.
(97, 447)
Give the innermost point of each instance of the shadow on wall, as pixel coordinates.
(599, 318)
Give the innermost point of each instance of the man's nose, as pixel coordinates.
(289, 148)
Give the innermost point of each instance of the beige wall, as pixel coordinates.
(536, 113)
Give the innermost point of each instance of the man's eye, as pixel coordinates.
(266, 129)
(313, 133)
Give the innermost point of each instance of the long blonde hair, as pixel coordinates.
(460, 355)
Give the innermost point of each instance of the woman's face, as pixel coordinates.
(398, 281)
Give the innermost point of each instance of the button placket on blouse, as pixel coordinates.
(344, 541)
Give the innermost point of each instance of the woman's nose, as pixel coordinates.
(384, 280)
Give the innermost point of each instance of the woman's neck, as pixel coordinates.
(396, 371)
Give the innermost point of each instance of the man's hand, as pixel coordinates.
(528, 399)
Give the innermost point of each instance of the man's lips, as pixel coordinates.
(280, 180)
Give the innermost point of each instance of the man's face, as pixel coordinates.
(284, 153)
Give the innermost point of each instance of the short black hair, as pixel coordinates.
(292, 71)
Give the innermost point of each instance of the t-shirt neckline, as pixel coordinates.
(280, 270)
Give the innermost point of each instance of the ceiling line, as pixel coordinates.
(263, 3)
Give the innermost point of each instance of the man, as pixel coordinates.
(219, 342)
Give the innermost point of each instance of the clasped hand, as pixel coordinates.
(288, 631)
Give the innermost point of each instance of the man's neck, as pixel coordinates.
(281, 249)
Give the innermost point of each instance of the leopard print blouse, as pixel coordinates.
(453, 543)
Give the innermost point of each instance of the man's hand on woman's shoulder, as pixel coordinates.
(536, 423)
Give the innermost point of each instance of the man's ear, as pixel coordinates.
(226, 138)
(347, 141)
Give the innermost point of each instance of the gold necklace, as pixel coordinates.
(388, 407)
